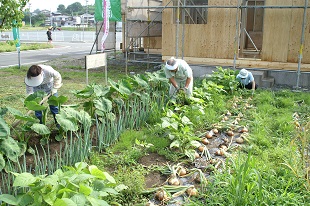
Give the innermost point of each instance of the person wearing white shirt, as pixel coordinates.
(180, 76)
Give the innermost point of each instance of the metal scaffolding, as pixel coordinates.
(242, 4)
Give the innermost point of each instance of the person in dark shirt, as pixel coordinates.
(49, 35)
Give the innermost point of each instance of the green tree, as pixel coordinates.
(75, 8)
(61, 8)
(10, 11)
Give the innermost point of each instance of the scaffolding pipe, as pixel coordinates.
(148, 34)
(250, 39)
(126, 31)
(177, 31)
(219, 7)
(237, 35)
(150, 22)
(302, 40)
(183, 29)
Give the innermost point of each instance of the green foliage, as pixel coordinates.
(9, 46)
(11, 11)
(79, 185)
(226, 78)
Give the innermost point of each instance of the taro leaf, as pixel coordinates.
(100, 90)
(85, 189)
(64, 202)
(175, 143)
(4, 129)
(24, 179)
(82, 116)
(19, 115)
(103, 104)
(119, 101)
(9, 199)
(66, 123)
(37, 97)
(79, 199)
(98, 185)
(2, 162)
(41, 129)
(123, 88)
(53, 100)
(10, 148)
(34, 106)
(25, 200)
(141, 81)
(3, 111)
(85, 93)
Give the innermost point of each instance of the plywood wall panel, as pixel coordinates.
(213, 40)
(295, 32)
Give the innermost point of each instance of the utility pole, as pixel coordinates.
(86, 12)
(30, 14)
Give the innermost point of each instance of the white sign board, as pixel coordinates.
(95, 61)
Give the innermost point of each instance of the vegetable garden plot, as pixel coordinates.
(206, 132)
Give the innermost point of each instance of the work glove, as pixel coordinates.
(54, 91)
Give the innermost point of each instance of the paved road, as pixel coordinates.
(61, 49)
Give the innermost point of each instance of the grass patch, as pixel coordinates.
(9, 46)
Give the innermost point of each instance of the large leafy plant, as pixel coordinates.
(79, 185)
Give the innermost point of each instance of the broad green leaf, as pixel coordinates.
(175, 143)
(141, 81)
(175, 125)
(96, 202)
(15, 112)
(10, 148)
(9, 199)
(4, 129)
(101, 91)
(165, 123)
(98, 185)
(64, 202)
(67, 124)
(85, 190)
(53, 100)
(85, 93)
(37, 97)
(80, 166)
(121, 187)
(110, 191)
(50, 197)
(34, 106)
(2, 162)
(103, 104)
(82, 116)
(25, 199)
(190, 153)
(195, 143)
(79, 199)
(24, 179)
(40, 129)
(185, 120)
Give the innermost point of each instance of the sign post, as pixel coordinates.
(17, 40)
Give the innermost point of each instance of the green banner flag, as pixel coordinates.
(115, 10)
(16, 34)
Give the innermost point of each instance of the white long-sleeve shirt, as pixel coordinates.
(51, 80)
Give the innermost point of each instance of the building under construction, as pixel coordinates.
(269, 37)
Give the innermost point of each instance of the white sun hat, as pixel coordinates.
(34, 81)
(243, 73)
(174, 64)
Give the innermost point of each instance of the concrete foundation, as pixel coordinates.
(264, 78)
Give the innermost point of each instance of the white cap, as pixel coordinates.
(243, 73)
(174, 64)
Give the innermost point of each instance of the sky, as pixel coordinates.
(53, 4)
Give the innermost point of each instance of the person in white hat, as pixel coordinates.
(246, 80)
(43, 78)
(180, 76)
